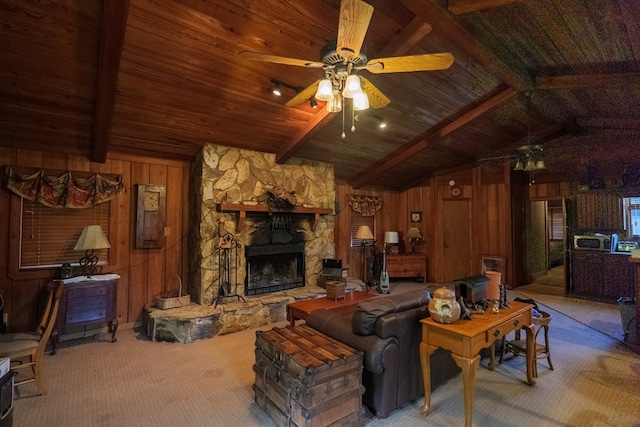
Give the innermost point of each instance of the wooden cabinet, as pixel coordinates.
(407, 265)
(599, 211)
(601, 275)
(87, 304)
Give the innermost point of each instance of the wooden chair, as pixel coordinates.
(519, 346)
(19, 346)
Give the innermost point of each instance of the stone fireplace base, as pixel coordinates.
(196, 322)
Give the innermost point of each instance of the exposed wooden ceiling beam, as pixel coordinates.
(460, 7)
(405, 40)
(437, 17)
(114, 24)
(423, 141)
(610, 123)
(587, 81)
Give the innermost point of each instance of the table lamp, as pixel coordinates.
(364, 233)
(92, 238)
(391, 240)
(414, 237)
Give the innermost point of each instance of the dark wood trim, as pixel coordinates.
(460, 7)
(114, 24)
(425, 140)
(587, 81)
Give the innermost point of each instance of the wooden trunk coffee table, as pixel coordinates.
(300, 310)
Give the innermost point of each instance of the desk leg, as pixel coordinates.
(469, 368)
(426, 351)
(531, 354)
(290, 318)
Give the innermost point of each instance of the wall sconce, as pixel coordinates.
(92, 238)
(414, 237)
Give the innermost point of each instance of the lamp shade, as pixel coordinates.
(391, 237)
(92, 237)
(364, 233)
(360, 102)
(325, 90)
(414, 233)
(352, 86)
(335, 104)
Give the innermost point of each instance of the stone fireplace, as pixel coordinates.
(296, 242)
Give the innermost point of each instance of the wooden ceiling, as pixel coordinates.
(160, 78)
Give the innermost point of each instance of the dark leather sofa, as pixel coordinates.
(388, 331)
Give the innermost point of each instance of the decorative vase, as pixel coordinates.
(443, 307)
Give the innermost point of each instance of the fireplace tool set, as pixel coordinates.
(227, 249)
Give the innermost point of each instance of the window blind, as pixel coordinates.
(48, 235)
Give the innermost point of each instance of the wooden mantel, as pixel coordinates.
(241, 212)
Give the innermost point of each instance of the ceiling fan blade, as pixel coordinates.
(303, 95)
(377, 99)
(403, 64)
(255, 56)
(354, 21)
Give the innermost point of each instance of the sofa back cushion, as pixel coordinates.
(367, 313)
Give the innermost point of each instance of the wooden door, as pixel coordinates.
(537, 241)
(456, 239)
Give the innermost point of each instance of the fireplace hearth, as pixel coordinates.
(274, 267)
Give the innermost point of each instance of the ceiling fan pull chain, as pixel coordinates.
(353, 116)
(344, 135)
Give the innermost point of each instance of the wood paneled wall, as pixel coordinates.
(145, 273)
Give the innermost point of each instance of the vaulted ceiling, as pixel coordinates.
(161, 78)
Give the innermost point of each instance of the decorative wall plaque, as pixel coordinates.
(151, 216)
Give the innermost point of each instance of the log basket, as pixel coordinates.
(170, 300)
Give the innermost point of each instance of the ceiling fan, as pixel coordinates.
(343, 58)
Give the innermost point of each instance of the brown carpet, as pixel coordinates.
(136, 382)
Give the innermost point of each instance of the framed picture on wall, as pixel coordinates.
(416, 216)
(492, 263)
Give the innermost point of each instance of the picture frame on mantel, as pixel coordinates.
(416, 216)
(492, 263)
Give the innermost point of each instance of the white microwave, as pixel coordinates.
(603, 243)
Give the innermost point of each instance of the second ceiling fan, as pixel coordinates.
(342, 59)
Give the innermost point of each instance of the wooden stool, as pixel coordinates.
(519, 346)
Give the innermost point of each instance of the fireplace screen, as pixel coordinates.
(272, 268)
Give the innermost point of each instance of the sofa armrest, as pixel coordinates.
(378, 352)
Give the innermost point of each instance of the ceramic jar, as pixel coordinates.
(443, 307)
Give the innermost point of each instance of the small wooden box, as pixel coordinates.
(335, 289)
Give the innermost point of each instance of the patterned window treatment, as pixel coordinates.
(365, 205)
(64, 191)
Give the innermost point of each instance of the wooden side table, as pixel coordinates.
(407, 265)
(465, 339)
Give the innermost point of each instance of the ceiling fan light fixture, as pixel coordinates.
(360, 102)
(540, 164)
(325, 90)
(530, 165)
(335, 104)
(519, 165)
(352, 86)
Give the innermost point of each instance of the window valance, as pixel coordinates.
(365, 205)
(64, 191)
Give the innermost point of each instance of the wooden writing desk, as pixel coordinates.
(301, 309)
(466, 338)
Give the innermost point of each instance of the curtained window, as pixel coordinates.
(356, 222)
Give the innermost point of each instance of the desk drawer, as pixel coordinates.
(86, 316)
(89, 291)
(80, 304)
(506, 327)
